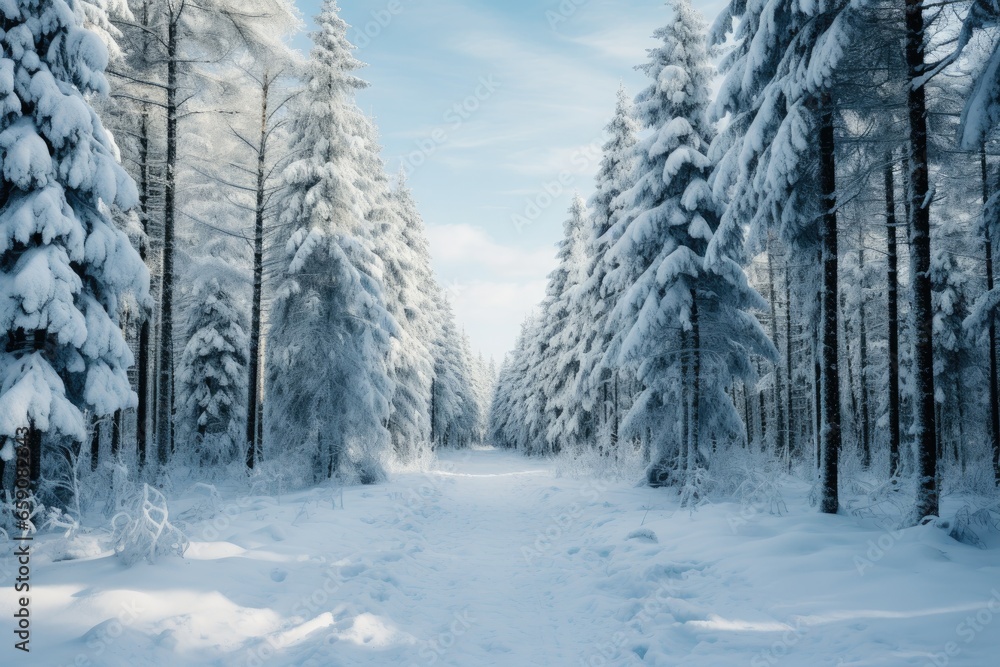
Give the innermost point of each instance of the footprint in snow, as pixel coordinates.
(278, 575)
(351, 571)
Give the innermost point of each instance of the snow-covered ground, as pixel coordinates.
(494, 559)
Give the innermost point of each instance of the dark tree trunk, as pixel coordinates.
(434, 429)
(117, 422)
(95, 442)
(253, 387)
(165, 398)
(866, 450)
(920, 247)
(994, 398)
(817, 405)
(614, 418)
(779, 413)
(849, 366)
(684, 447)
(762, 407)
(789, 408)
(830, 397)
(892, 279)
(746, 414)
(35, 453)
(695, 425)
(143, 416)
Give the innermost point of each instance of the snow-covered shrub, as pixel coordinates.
(626, 462)
(9, 521)
(698, 483)
(972, 524)
(888, 500)
(62, 486)
(143, 531)
(269, 478)
(207, 505)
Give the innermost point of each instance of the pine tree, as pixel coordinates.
(562, 327)
(400, 245)
(454, 413)
(64, 265)
(778, 91)
(684, 328)
(596, 382)
(328, 384)
(212, 379)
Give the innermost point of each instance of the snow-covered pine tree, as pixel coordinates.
(510, 425)
(777, 92)
(979, 120)
(178, 91)
(563, 326)
(329, 389)
(454, 415)
(64, 265)
(685, 329)
(212, 378)
(595, 386)
(472, 417)
(399, 243)
(951, 349)
(484, 379)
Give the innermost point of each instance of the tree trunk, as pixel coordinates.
(762, 407)
(994, 398)
(117, 422)
(849, 366)
(960, 441)
(920, 246)
(746, 414)
(143, 421)
(614, 419)
(789, 408)
(779, 412)
(165, 439)
(866, 450)
(253, 387)
(95, 441)
(695, 425)
(830, 397)
(434, 433)
(684, 448)
(817, 403)
(892, 280)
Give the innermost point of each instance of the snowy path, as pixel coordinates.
(493, 559)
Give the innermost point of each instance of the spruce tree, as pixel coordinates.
(64, 265)
(329, 387)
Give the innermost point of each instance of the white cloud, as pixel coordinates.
(471, 251)
(491, 312)
(492, 286)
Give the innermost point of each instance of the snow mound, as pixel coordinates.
(643, 535)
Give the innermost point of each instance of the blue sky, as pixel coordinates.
(496, 111)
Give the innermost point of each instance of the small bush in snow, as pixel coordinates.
(971, 525)
(143, 531)
(625, 463)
